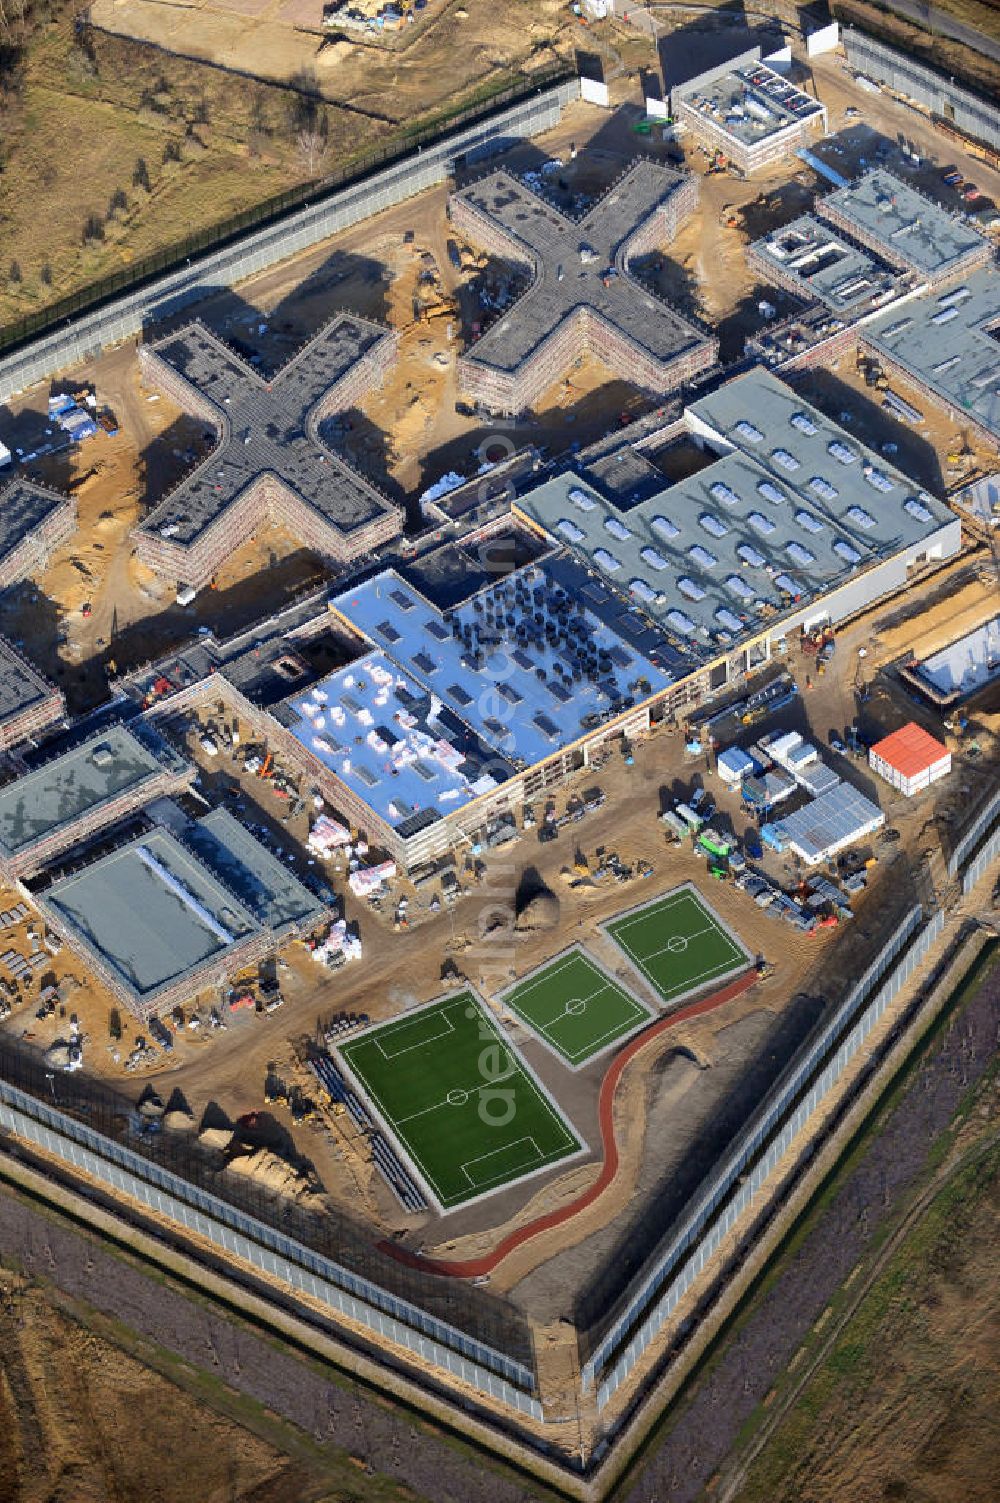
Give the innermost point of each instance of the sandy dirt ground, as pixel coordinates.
(283, 40)
(82, 1421)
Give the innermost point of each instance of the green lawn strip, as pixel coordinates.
(783, 1254)
(852, 1367)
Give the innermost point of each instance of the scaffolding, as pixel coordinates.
(270, 465)
(584, 296)
(34, 520)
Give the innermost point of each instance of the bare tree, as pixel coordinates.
(313, 146)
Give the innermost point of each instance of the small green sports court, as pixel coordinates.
(574, 1007)
(460, 1102)
(678, 944)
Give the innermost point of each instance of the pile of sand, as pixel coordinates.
(274, 1174)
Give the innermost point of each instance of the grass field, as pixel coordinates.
(678, 944)
(457, 1098)
(575, 1008)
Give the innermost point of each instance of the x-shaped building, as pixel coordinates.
(583, 295)
(270, 464)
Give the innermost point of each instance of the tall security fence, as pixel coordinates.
(433, 1343)
(118, 308)
(730, 1192)
(981, 862)
(960, 107)
(333, 1235)
(965, 848)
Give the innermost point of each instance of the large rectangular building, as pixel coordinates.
(29, 704)
(154, 922)
(811, 260)
(946, 343)
(79, 791)
(906, 228)
(794, 524)
(749, 113)
(33, 521)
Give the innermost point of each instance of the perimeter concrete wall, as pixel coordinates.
(127, 316)
(933, 90)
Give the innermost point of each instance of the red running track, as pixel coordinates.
(472, 1268)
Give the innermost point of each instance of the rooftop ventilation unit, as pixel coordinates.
(841, 453)
(712, 525)
(689, 588)
(787, 461)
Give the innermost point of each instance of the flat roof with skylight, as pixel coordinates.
(949, 342)
(794, 509)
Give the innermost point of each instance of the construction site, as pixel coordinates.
(658, 772)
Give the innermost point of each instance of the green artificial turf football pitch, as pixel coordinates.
(574, 1007)
(459, 1100)
(678, 944)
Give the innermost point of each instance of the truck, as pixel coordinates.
(675, 823)
(693, 821)
(714, 844)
